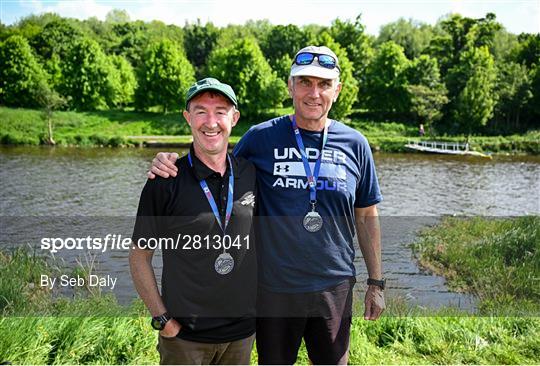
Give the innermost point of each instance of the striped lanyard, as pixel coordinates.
(312, 178)
(211, 200)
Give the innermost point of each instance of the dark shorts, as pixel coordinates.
(322, 318)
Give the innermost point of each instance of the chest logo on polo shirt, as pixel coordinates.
(248, 200)
(290, 173)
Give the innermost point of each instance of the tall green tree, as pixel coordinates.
(533, 106)
(387, 80)
(199, 41)
(57, 37)
(528, 50)
(165, 76)
(123, 82)
(31, 25)
(243, 66)
(49, 100)
(459, 34)
(427, 93)
(412, 35)
(20, 73)
(504, 45)
(157, 30)
(280, 46)
(352, 37)
(475, 101)
(259, 28)
(101, 32)
(4, 32)
(86, 76)
(131, 41)
(349, 90)
(513, 90)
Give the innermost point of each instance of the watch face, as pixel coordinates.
(156, 324)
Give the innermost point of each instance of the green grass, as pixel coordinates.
(498, 260)
(391, 340)
(128, 128)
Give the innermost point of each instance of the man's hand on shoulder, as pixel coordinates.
(374, 303)
(163, 165)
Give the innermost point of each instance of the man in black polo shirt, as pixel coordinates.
(202, 221)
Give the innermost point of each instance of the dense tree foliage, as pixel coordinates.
(20, 73)
(353, 38)
(387, 79)
(56, 38)
(427, 93)
(459, 75)
(475, 99)
(459, 34)
(349, 91)
(87, 76)
(123, 82)
(164, 78)
(413, 36)
(244, 66)
(199, 41)
(280, 46)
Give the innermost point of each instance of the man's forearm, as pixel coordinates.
(369, 238)
(144, 279)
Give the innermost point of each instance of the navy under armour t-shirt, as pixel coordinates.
(291, 259)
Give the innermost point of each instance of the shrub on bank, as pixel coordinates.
(496, 259)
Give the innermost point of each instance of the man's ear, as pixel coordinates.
(187, 117)
(236, 117)
(338, 90)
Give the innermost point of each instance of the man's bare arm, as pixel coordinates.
(144, 279)
(163, 165)
(369, 238)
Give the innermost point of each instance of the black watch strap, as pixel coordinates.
(380, 283)
(158, 322)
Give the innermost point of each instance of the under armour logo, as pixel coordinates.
(279, 168)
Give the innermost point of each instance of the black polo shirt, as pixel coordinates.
(211, 307)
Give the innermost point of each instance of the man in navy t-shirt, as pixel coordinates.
(317, 182)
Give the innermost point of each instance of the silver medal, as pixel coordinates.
(313, 222)
(224, 263)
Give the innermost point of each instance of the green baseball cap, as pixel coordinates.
(207, 84)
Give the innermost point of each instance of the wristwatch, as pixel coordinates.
(158, 322)
(380, 283)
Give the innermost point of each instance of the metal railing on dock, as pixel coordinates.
(439, 145)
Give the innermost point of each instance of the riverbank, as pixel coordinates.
(94, 328)
(497, 260)
(119, 128)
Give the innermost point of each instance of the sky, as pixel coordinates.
(517, 16)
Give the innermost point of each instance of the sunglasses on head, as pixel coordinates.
(306, 58)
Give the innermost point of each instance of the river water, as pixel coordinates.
(43, 185)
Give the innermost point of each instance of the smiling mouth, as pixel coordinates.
(312, 104)
(211, 134)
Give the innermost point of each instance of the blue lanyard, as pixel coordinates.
(211, 200)
(312, 178)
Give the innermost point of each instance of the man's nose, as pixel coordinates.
(314, 91)
(212, 120)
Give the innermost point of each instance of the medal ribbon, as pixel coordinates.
(312, 178)
(211, 200)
